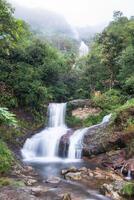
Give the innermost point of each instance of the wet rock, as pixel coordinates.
(114, 189)
(30, 182)
(66, 197)
(109, 191)
(73, 176)
(128, 166)
(53, 180)
(71, 169)
(38, 191)
(83, 169)
(64, 144)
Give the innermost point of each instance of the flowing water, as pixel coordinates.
(41, 151)
(44, 145)
(83, 49)
(76, 140)
(75, 147)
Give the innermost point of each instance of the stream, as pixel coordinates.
(41, 152)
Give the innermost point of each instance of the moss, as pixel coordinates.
(5, 181)
(6, 158)
(17, 183)
(128, 190)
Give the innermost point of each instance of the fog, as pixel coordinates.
(77, 12)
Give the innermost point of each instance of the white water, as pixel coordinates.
(128, 175)
(75, 147)
(45, 144)
(83, 50)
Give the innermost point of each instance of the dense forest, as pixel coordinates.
(33, 73)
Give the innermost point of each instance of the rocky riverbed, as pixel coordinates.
(99, 183)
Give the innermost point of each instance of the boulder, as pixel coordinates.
(109, 191)
(64, 144)
(53, 180)
(80, 103)
(30, 182)
(75, 176)
(66, 197)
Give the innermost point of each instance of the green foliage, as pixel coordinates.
(6, 158)
(109, 100)
(129, 85)
(93, 119)
(110, 63)
(6, 117)
(73, 122)
(128, 190)
(123, 116)
(8, 181)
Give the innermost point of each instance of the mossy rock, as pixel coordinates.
(5, 181)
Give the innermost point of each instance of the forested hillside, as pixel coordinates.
(33, 73)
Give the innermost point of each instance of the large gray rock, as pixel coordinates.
(80, 103)
(99, 139)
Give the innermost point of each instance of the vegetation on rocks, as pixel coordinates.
(6, 158)
(128, 190)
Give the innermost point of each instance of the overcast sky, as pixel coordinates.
(82, 12)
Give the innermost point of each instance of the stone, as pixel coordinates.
(73, 176)
(83, 169)
(66, 197)
(38, 191)
(30, 182)
(53, 180)
(108, 190)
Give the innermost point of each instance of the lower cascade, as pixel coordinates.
(45, 145)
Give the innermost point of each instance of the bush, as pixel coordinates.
(93, 119)
(6, 158)
(128, 190)
(109, 100)
(73, 122)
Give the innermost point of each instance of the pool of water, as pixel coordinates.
(78, 191)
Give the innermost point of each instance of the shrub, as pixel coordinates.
(128, 190)
(6, 158)
(109, 100)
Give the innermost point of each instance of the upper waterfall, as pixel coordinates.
(56, 114)
(83, 49)
(45, 144)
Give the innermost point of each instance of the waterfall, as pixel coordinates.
(75, 146)
(45, 144)
(57, 113)
(83, 50)
(129, 177)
